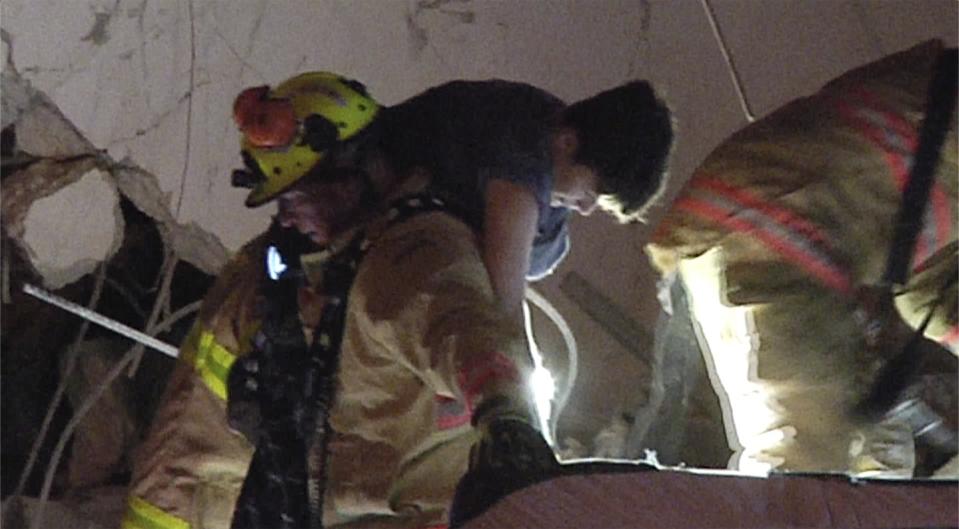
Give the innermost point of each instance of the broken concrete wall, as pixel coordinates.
(67, 193)
(99, 232)
(65, 216)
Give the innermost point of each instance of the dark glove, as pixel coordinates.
(509, 455)
(930, 406)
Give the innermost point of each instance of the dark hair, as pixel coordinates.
(626, 135)
(352, 152)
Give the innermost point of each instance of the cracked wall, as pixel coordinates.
(48, 237)
(150, 84)
(67, 193)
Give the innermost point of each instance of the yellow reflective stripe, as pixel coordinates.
(143, 515)
(213, 363)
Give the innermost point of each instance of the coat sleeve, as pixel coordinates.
(423, 298)
(188, 470)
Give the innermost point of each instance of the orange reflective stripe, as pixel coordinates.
(144, 515)
(896, 138)
(480, 370)
(780, 229)
(951, 339)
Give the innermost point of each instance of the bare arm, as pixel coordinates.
(509, 228)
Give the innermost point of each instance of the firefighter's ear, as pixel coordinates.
(319, 133)
(244, 178)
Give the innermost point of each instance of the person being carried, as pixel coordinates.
(518, 160)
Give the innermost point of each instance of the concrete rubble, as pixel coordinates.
(63, 225)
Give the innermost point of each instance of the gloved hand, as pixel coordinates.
(929, 404)
(509, 455)
(917, 384)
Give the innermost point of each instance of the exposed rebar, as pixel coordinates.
(61, 387)
(91, 316)
(78, 416)
(737, 82)
(160, 304)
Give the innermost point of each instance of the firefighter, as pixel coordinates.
(420, 316)
(377, 434)
(330, 156)
(782, 235)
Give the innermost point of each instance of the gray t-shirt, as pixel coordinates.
(467, 132)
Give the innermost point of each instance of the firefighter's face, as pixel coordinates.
(320, 208)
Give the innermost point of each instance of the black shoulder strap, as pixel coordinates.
(940, 105)
(901, 370)
(293, 389)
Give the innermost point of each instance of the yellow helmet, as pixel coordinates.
(289, 129)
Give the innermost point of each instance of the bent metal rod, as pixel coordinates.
(102, 320)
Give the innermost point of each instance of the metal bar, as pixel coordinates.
(737, 82)
(102, 321)
(627, 331)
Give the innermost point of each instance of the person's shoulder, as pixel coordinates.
(415, 248)
(251, 252)
(518, 89)
(236, 285)
(502, 89)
